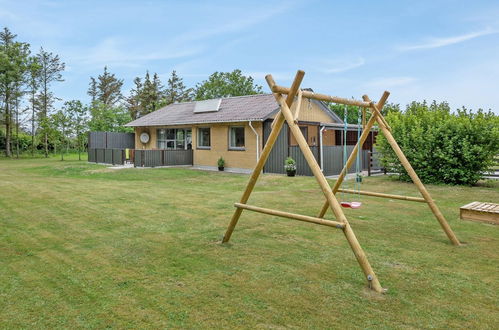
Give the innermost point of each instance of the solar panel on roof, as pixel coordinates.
(207, 105)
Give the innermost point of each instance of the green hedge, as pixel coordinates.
(443, 147)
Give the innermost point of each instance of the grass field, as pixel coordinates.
(90, 247)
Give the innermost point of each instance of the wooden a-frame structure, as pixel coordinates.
(286, 115)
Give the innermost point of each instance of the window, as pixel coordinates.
(204, 138)
(236, 138)
(174, 138)
(304, 131)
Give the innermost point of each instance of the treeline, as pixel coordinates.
(31, 122)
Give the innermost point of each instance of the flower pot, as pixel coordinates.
(220, 168)
(291, 173)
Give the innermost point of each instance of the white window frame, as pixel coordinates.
(234, 148)
(199, 146)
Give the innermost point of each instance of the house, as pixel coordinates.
(236, 129)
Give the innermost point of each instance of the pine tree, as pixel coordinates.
(176, 90)
(134, 102)
(92, 90)
(106, 89)
(150, 94)
(51, 68)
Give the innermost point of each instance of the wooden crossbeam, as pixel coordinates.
(294, 216)
(376, 194)
(322, 97)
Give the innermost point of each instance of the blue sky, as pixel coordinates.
(442, 50)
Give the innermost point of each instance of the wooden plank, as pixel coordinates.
(294, 216)
(480, 216)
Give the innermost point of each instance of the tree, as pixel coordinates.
(33, 85)
(442, 146)
(134, 101)
(152, 93)
(145, 97)
(176, 91)
(109, 119)
(61, 123)
(51, 68)
(13, 67)
(106, 89)
(92, 90)
(225, 84)
(78, 118)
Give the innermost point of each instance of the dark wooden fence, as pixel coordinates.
(107, 156)
(153, 158)
(111, 140)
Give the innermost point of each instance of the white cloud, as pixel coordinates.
(442, 42)
(117, 52)
(341, 65)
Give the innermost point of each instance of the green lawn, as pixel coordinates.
(86, 246)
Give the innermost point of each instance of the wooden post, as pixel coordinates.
(294, 216)
(331, 199)
(298, 106)
(351, 158)
(279, 121)
(422, 189)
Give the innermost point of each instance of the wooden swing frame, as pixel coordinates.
(286, 115)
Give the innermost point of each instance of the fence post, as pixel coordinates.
(370, 163)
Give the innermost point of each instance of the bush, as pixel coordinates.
(290, 164)
(442, 147)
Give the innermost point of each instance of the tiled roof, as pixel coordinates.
(232, 109)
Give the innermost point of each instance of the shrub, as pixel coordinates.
(442, 147)
(221, 162)
(290, 164)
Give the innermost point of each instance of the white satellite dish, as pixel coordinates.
(144, 137)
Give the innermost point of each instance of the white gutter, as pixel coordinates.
(257, 141)
(322, 147)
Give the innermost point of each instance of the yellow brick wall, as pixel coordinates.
(219, 135)
(219, 144)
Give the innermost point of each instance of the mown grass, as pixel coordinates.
(89, 247)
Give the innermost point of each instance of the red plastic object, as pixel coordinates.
(352, 205)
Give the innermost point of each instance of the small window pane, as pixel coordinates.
(170, 144)
(170, 134)
(204, 137)
(180, 134)
(236, 137)
(304, 131)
